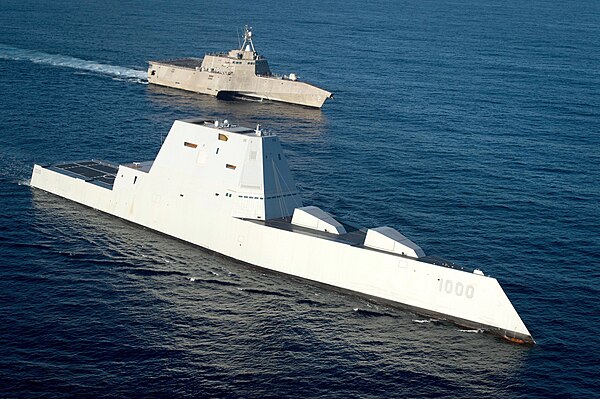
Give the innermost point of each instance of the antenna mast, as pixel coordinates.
(247, 45)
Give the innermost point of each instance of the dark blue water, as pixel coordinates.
(471, 126)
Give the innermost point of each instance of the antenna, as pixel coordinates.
(237, 31)
(247, 45)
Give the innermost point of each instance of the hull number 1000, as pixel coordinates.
(456, 288)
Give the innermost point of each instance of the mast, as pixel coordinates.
(247, 45)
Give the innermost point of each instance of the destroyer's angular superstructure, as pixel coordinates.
(229, 189)
(240, 72)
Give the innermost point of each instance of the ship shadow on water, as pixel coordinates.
(194, 290)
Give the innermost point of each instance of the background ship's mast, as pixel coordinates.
(247, 45)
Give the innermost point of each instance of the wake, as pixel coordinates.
(17, 54)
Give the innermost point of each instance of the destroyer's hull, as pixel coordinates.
(183, 75)
(469, 299)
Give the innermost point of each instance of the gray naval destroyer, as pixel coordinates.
(229, 189)
(240, 73)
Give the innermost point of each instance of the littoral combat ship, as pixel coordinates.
(240, 73)
(229, 189)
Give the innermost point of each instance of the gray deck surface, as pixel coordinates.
(352, 237)
(101, 173)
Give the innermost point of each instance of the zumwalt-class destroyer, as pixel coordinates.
(240, 73)
(229, 189)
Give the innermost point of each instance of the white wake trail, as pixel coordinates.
(17, 54)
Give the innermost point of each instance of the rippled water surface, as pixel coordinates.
(471, 126)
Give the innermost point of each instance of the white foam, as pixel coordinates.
(477, 331)
(424, 320)
(17, 54)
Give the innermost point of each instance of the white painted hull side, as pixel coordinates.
(467, 298)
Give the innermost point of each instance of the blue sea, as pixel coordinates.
(472, 126)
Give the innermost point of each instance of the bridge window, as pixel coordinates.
(190, 145)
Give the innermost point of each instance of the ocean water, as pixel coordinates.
(473, 127)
